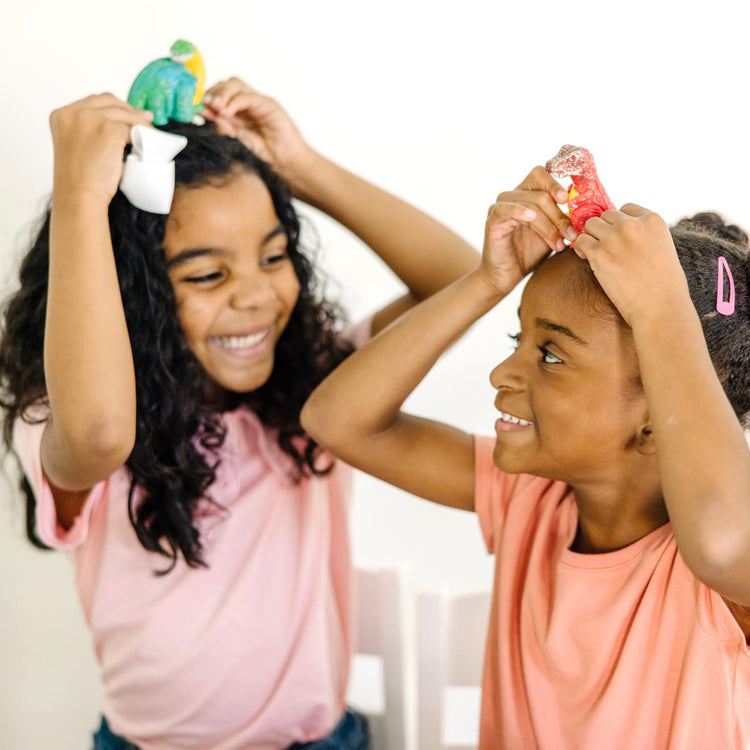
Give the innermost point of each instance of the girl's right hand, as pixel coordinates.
(261, 123)
(89, 138)
(522, 227)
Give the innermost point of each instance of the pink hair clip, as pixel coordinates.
(724, 307)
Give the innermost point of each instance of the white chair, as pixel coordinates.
(383, 666)
(451, 634)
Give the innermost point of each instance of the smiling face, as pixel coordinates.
(570, 401)
(234, 283)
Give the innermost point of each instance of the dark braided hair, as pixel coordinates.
(700, 241)
(178, 432)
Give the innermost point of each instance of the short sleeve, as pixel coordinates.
(487, 491)
(493, 491)
(27, 443)
(359, 333)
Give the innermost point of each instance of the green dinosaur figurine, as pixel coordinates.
(171, 87)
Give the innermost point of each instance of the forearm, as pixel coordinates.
(87, 358)
(356, 411)
(424, 254)
(356, 414)
(364, 395)
(703, 456)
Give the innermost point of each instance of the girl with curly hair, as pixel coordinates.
(615, 493)
(153, 370)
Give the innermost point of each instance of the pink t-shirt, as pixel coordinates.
(251, 652)
(624, 649)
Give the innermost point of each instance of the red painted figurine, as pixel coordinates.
(586, 195)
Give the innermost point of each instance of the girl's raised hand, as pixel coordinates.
(633, 257)
(259, 122)
(89, 138)
(523, 226)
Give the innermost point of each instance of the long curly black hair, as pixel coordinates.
(178, 433)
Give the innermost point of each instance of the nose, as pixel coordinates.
(508, 374)
(252, 289)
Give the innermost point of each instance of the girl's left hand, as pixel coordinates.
(633, 257)
(260, 123)
(523, 226)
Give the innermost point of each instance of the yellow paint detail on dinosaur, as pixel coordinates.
(572, 193)
(196, 66)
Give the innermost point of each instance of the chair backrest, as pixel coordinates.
(450, 650)
(382, 675)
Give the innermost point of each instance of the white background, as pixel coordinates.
(445, 104)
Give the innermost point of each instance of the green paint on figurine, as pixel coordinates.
(171, 87)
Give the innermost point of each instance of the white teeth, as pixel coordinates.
(514, 420)
(240, 342)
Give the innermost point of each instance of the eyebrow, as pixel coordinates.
(186, 255)
(550, 326)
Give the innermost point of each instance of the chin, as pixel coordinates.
(518, 465)
(246, 384)
(240, 389)
(506, 461)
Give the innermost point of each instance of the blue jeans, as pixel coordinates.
(106, 739)
(351, 733)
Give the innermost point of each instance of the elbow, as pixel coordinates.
(720, 557)
(106, 442)
(98, 430)
(117, 445)
(307, 420)
(311, 419)
(77, 459)
(320, 421)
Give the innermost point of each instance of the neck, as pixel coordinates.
(613, 517)
(220, 399)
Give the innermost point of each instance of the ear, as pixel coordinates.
(645, 443)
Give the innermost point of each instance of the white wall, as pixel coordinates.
(445, 104)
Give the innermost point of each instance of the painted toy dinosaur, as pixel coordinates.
(171, 87)
(586, 195)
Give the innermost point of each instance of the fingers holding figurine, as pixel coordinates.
(258, 121)
(89, 137)
(523, 226)
(545, 193)
(633, 257)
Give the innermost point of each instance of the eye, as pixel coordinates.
(275, 256)
(516, 339)
(548, 358)
(204, 278)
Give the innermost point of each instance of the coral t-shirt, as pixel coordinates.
(252, 651)
(625, 649)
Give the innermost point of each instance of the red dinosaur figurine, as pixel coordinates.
(586, 195)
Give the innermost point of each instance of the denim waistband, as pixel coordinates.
(351, 733)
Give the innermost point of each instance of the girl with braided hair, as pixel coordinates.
(615, 495)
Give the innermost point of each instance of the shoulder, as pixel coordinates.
(251, 449)
(498, 493)
(499, 486)
(28, 431)
(27, 440)
(719, 618)
(359, 333)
